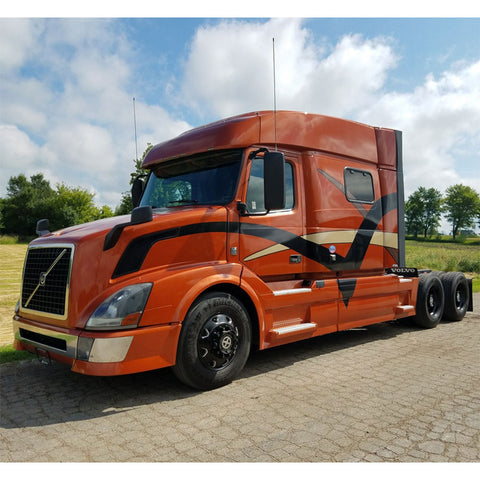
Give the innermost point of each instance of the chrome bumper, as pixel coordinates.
(88, 349)
(50, 340)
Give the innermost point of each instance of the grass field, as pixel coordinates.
(432, 255)
(11, 261)
(445, 256)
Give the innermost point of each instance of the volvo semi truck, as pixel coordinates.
(248, 233)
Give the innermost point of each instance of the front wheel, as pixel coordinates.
(214, 342)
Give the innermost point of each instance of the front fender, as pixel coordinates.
(175, 291)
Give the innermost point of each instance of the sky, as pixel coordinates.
(67, 84)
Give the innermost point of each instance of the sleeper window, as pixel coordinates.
(358, 186)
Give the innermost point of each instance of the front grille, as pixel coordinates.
(46, 279)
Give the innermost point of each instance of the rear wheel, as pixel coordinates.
(455, 286)
(214, 342)
(430, 301)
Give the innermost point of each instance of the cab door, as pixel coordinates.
(269, 241)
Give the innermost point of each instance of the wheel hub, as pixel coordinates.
(226, 343)
(217, 342)
(460, 298)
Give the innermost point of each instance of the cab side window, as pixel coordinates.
(255, 195)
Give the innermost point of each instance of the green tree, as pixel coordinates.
(31, 200)
(72, 206)
(462, 207)
(2, 225)
(27, 201)
(423, 211)
(126, 205)
(104, 212)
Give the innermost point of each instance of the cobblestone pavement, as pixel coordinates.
(388, 393)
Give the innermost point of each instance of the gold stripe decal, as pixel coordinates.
(383, 239)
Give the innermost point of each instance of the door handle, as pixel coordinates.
(295, 259)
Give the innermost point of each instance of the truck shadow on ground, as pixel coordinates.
(35, 395)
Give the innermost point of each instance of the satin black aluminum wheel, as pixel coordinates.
(457, 296)
(214, 342)
(430, 301)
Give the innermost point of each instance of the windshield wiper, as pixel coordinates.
(183, 201)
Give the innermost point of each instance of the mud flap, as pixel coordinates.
(470, 295)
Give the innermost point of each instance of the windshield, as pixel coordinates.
(203, 179)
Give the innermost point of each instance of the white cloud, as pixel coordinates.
(21, 155)
(67, 86)
(350, 77)
(17, 148)
(438, 119)
(67, 105)
(83, 148)
(230, 66)
(230, 69)
(17, 37)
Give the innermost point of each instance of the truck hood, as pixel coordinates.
(162, 218)
(79, 232)
(100, 266)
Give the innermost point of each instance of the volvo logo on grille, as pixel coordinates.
(43, 279)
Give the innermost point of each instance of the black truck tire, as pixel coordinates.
(457, 296)
(430, 301)
(214, 342)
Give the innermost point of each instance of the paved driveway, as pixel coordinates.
(382, 393)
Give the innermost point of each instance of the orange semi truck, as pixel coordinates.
(248, 233)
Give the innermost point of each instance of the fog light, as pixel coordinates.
(84, 347)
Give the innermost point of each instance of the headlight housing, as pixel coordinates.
(123, 309)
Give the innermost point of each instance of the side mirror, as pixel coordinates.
(137, 190)
(42, 227)
(141, 215)
(274, 180)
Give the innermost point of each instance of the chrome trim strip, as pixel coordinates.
(299, 327)
(291, 291)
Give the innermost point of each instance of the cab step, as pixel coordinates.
(404, 310)
(291, 330)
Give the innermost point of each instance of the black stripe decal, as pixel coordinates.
(137, 250)
(347, 287)
(362, 240)
(341, 188)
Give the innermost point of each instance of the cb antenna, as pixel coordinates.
(274, 95)
(135, 129)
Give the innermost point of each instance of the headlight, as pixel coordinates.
(123, 309)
